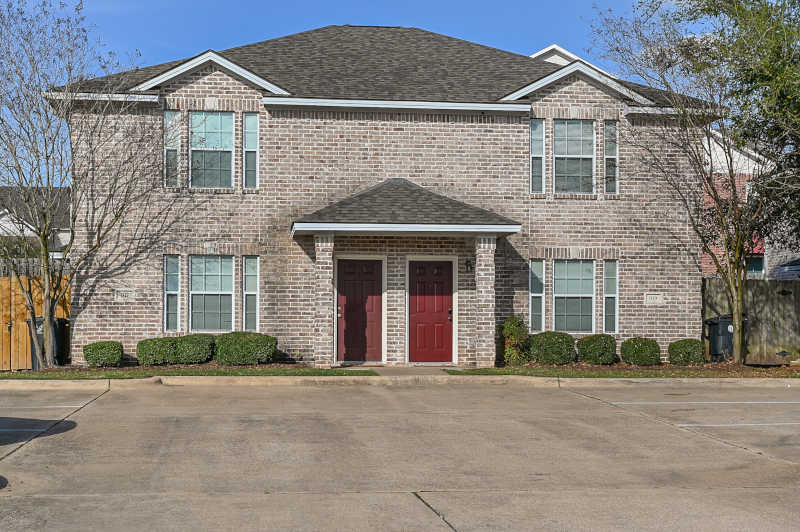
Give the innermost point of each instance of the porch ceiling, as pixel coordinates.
(398, 206)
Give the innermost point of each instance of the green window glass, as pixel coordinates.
(211, 292)
(573, 295)
(610, 292)
(250, 150)
(172, 286)
(573, 150)
(537, 295)
(250, 289)
(537, 156)
(755, 264)
(211, 140)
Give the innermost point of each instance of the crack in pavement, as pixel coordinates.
(43, 432)
(434, 510)
(682, 427)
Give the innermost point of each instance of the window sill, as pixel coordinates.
(250, 191)
(538, 195)
(585, 197)
(612, 197)
(199, 190)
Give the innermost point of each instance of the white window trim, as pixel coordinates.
(257, 150)
(232, 150)
(606, 156)
(615, 296)
(542, 156)
(594, 295)
(594, 156)
(245, 293)
(539, 294)
(216, 292)
(164, 142)
(165, 293)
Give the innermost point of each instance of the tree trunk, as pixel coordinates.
(48, 329)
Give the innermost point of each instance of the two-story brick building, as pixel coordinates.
(389, 195)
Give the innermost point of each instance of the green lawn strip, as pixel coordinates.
(638, 373)
(141, 373)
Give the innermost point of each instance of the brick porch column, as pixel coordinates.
(484, 301)
(323, 315)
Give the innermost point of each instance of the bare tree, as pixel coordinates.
(700, 152)
(76, 170)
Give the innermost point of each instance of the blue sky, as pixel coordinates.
(163, 30)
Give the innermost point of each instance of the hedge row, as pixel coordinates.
(231, 349)
(556, 348)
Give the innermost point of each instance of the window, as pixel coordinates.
(610, 289)
(573, 148)
(573, 294)
(537, 156)
(250, 150)
(612, 156)
(172, 147)
(250, 289)
(755, 264)
(172, 290)
(211, 287)
(537, 295)
(212, 149)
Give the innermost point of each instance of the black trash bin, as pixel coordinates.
(61, 338)
(720, 335)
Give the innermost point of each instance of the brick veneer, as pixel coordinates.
(323, 317)
(485, 323)
(311, 157)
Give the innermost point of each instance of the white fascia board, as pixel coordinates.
(213, 57)
(397, 104)
(650, 110)
(306, 228)
(569, 55)
(93, 96)
(583, 68)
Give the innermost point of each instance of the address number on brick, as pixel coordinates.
(652, 299)
(123, 296)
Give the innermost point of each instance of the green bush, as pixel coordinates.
(156, 351)
(597, 349)
(552, 348)
(194, 349)
(641, 352)
(514, 333)
(244, 348)
(687, 352)
(103, 354)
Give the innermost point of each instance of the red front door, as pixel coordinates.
(430, 302)
(359, 310)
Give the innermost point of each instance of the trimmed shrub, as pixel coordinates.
(100, 354)
(597, 349)
(641, 352)
(515, 341)
(156, 351)
(244, 348)
(687, 352)
(552, 348)
(193, 349)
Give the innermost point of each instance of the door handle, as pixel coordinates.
(449, 318)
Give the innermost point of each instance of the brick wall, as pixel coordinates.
(309, 158)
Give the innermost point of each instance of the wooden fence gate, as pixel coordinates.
(15, 339)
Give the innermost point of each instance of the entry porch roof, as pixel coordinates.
(398, 206)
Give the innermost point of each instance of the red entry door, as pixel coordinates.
(359, 310)
(430, 302)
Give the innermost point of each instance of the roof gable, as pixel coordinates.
(209, 57)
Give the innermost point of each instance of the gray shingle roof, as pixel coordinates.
(399, 201)
(378, 63)
(11, 201)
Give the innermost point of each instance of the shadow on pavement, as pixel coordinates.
(20, 429)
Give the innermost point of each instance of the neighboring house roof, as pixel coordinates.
(373, 63)
(400, 202)
(11, 203)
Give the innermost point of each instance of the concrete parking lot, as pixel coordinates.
(464, 457)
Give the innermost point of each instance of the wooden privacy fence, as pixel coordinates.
(15, 339)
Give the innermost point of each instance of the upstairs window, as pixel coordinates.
(250, 121)
(172, 147)
(211, 138)
(573, 150)
(612, 156)
(573, 294)
(537, 156)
